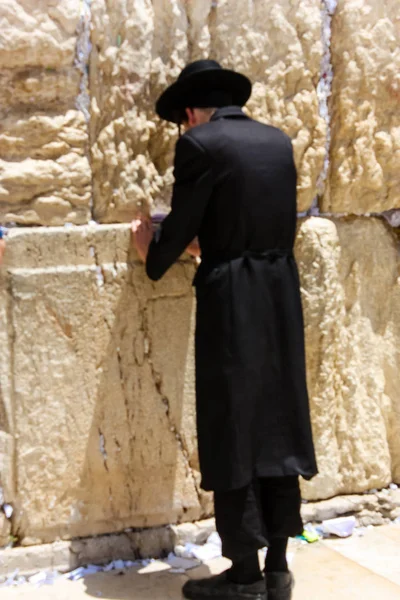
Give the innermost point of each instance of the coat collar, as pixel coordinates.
(229, 112)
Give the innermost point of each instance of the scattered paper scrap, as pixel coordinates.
(208, 551)
(342, 527)
(179, 563)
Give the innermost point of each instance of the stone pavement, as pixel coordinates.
(366, 568)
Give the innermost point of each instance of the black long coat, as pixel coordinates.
(235, 188)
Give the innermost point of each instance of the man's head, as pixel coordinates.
(200, 85)
(196, 116)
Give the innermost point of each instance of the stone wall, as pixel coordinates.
(365, 150)
(45, 176)
(97, 422)
(351, 298)
(140, 47)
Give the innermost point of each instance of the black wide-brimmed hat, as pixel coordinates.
(203, 84)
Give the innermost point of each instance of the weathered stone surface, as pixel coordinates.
(383, 504)
(193, 533)
(334, 507)
(365, 150)
(7, 463)
(5, 530)
(350, 283)
(395, 514)
(38, 33)
(130, 545)
(140, 47)
(367, 518)
(45, 177)
(36, 558)
(395, 498)
(103, 415)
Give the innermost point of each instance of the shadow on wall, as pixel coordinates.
(138, 464)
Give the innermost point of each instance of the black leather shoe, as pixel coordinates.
(279, 585)
(221, 588)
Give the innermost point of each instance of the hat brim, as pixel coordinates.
(180, 94)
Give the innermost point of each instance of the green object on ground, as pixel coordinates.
(309, 536)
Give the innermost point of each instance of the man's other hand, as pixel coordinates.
(142, 234)
(194, 249)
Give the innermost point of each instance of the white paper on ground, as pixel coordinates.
(203, 553)
(178, 563)
(177, 571)
(11, 579)
(341, 527)
(208, 551)
(214, 539)
(76, 574)
(44, 578)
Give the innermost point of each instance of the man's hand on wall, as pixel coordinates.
(142, 234)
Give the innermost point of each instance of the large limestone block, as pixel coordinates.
(140, 47)
(365, 150)
(350, 284)
(45, 177)
(38, 33)
(104, 415)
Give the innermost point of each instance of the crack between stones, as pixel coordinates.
(157, 379)
(190, 43)
(83, 49)
(103, 449)
(211, 25)
(99, 269)
(82, 63)
(324, 91)
(178, 436)
(126, 404)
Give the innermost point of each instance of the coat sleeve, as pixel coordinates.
(191, 193)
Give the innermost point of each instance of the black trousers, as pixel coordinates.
(248, 518)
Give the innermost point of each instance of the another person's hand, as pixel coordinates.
(142, 233)
(2, 249)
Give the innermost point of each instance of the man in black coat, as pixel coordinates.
(235, 191)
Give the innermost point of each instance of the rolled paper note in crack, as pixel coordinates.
(158, 218)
